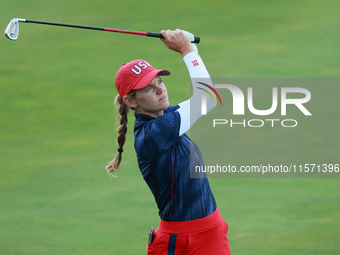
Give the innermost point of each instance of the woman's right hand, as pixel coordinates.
(177, 41)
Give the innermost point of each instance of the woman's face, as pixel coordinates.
(152, 99)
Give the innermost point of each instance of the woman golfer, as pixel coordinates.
(190, 221)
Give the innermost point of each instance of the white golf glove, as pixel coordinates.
(191, 38)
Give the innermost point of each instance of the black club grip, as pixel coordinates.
(159, 35)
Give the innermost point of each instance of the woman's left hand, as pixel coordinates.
(177, 41)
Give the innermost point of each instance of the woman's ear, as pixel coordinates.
(129, 102)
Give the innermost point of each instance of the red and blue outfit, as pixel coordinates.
(190, 221)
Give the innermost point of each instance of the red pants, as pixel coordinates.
(196, 237)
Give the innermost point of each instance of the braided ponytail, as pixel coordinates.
(123, 110)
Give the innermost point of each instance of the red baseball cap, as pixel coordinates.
(136, 74)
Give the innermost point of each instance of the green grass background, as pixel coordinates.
(57, 122)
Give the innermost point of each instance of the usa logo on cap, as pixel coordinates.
(135, 75)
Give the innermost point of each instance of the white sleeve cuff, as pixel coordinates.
(195, 66)
(198, 74)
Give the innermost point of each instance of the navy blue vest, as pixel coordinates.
(164, 159)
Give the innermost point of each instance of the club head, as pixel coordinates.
(12, 30)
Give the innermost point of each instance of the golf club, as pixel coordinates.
(12, 30)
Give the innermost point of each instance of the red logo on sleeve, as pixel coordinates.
(195, 63)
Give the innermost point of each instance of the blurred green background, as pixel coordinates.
(57, 122)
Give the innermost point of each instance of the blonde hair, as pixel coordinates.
(123, 111)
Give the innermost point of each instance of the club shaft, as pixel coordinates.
(150, 34)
